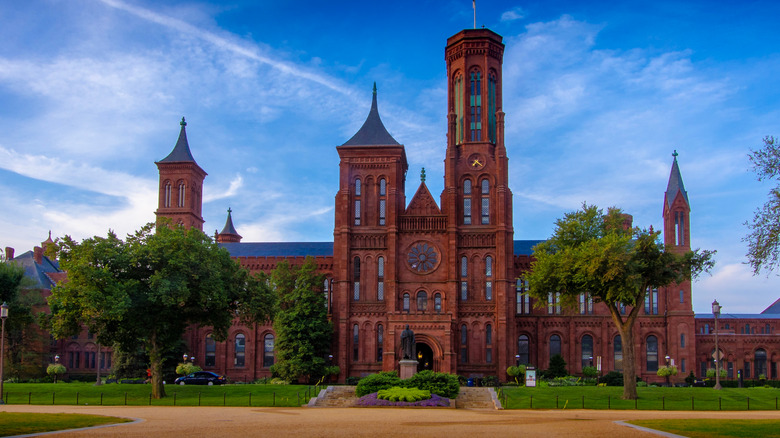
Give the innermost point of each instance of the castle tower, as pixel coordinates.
(677, 211)
(181, 185)
(229, 233)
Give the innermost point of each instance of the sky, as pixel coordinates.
(597, 96)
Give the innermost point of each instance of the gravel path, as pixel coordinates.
(355, 422)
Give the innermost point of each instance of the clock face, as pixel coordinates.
(476, 161)
(423, 258)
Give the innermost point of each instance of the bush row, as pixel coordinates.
(442, 384)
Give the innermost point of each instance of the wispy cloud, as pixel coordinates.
(513, 14)
(235, 184)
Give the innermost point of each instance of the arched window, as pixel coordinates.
(464, 342)
(355, 342)
(485, 202)
(167, 198)
(475, 104)
(458, 93)
(553, 303)
(380, 278)
(492, 106)
(555, 345)
(380, 339)
(617, 351)
(682, 340)
(406, 303)
(759, 358)
(521, 297)
(356, 278)
(651, 301)
(437, 303)
(382, 201)
(586, 304)
(651, 348)
(268, 350)
(488, 343)
(182, 193)
(239, 351)
(679, 227)
(587, 351)
(489, 278)
(422, 301)
(211, 351)
(523, 349)
(326, 291)
(467, 202)
(357, 201)
(464, 278)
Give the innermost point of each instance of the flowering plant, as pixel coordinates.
(372, 400)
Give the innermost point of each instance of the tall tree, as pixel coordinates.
(23, 340)
(149, 288)
(301, 322)
(764, 237)
(596, 253)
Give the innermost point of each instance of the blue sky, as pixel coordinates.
(596, 96)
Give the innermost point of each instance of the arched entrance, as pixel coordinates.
(424, 357)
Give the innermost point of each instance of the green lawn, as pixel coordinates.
(22, 423)
(710, 428)
(672, 399)
(117, 394)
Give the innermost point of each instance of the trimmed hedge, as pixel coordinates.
(443, 384)
(376, 382)
(403, 394)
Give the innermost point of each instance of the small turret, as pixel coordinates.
(229, 233)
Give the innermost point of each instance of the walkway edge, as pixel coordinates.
(647, 429)
(52, 432)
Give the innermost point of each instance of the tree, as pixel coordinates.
(557, 367)
(594, 252)
(23, 340)
(764, 237)
(147, 289)
(301, 322)
(55, 370)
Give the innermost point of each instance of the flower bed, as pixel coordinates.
(371, 400)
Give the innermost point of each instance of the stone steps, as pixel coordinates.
(475, 398)
(335, 397)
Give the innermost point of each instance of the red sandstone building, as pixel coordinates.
(451, 270)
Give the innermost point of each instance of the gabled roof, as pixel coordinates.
(38, 273)
(279, 249)
(773, 308)
(422, 203)
(229, 228)
(675, 184)
(373, 132)
(181, 152)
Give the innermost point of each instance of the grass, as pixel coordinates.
(671, 399)
(118, 394)
(711, 428)
(22, 423)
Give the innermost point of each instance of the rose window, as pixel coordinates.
(423, 257)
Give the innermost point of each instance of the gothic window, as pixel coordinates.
(467, 202)
(586, 304)
(522, 298)
(326, 292)
(406, 303)
(682, 340)
(380, 278)
(382, 201)
(459, 122)
(488, 278)
(651, 348)
(357, 201)
(651, 301)
(682, 297)
(485, 202)
(679, 228)
(554, 303)
(555, 345)
(587, 351)
(167, 202)
(239, 351)
(464, 342)
(437, 303)
(759, 359)
(268, 350)
(356, 279)
(182, 193)
(617, 351)
(489, 343)
(475, 105)
(211, 351)
(523, 349)
(422, 301)
(464, 282)
(355, 342)
(380, 334)
(492, 106)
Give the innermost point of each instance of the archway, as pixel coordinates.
(424, 357)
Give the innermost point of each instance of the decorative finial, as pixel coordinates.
(422, 175)
(183, 123)
(374, 88)
(216, 234)
(49, 234)
(230, 210)
(675, 154)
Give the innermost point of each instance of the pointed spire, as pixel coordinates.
(373, 131)
(422, 175)
(181, 152)
(229, 228)
(675, 183)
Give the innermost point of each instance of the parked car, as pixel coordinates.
(201, 378)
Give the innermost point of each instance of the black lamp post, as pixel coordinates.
(3, 317)
(716, 313)
(517, 360)
(667, 371)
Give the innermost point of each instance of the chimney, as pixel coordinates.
(38, 254)
(9, 253)
(628, 221)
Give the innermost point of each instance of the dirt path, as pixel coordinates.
(354, 422)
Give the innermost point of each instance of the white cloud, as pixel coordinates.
(235, 184)
(513, 14)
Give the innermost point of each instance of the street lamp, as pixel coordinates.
(716, 313)
(517, 359)
(667, 371)
(185, 356)
(3, 316)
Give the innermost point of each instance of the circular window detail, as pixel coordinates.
(423, 257)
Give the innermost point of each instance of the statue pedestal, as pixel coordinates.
(408, 368)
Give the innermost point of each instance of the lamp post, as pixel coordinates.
(3, 316)
(716, 313)
(517, 360)
(667, 366)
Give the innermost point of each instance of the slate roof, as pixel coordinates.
(731, 316)
(675, 183)
(774, 308)
(181, 152)
(37, 272)
(524, 247)
(373, 132)
(229, 228)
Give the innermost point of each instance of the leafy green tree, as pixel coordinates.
(594, 252)
(557, 367)
(23, 341)
(55, 370)
(147, 289)
(303, 332)
(764, 237)
(186, 368)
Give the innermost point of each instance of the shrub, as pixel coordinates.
(612, 378)
(352, 380)
(186, 368)
(557, 367)
(711, 373)
(443, 384)
(668, 371)
(690, 379)
(590, 372)
(490, 381)
(376, 382)
(279, 381)
(55, 370)
(397, 393)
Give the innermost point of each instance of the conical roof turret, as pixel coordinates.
(229, 233)
(373, 131)
(675, 183)
(181, 152)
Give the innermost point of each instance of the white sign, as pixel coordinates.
(598, 363)
(530, 378)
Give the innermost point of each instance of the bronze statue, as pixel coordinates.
(407, 344)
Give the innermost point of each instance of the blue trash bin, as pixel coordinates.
(470, 382)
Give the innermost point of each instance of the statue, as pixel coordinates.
(408, 344)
